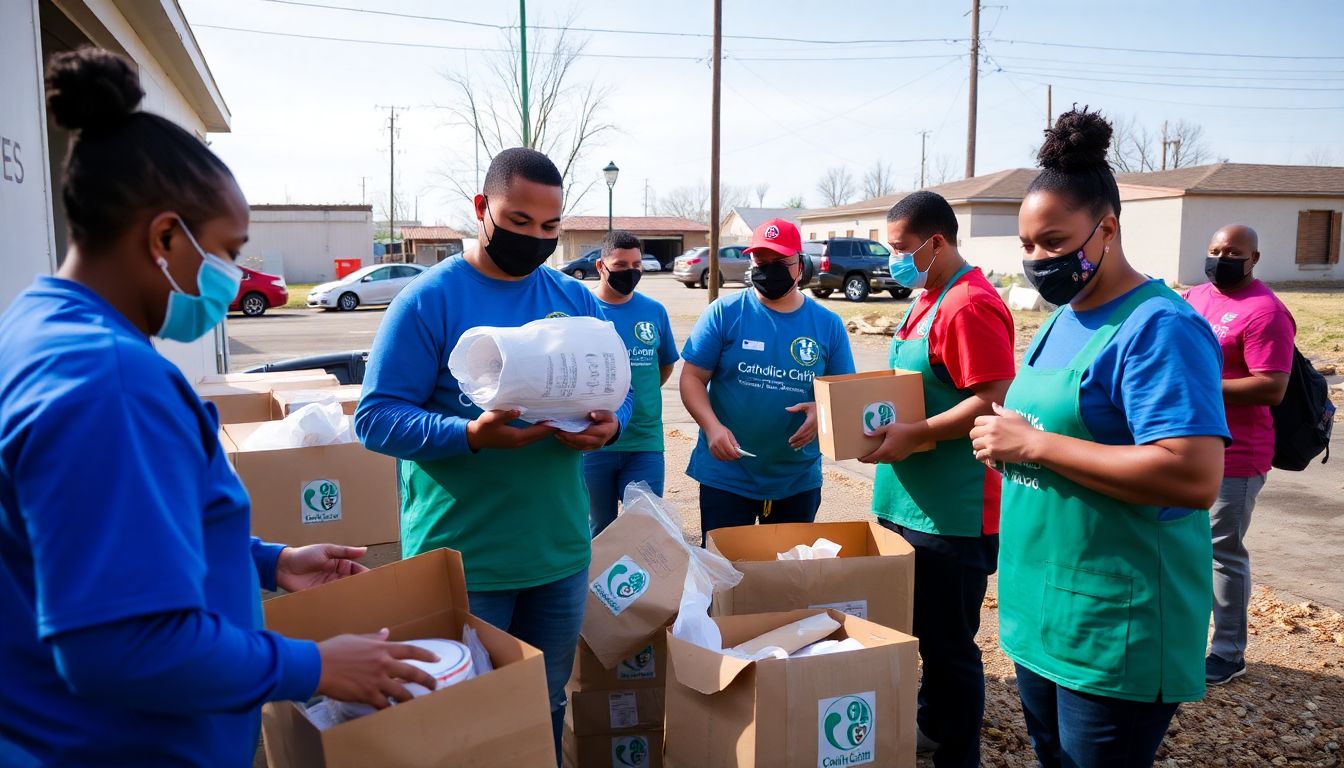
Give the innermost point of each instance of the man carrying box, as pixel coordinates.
(750, 362)
(509, 496)
(959, 336)
(643, 325)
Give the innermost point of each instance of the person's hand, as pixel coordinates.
(722, 445)
(369, 670)
(808, 431)
(1005, 437)
(492, 430)
(899, 440)
(300, 568)
(604, 427)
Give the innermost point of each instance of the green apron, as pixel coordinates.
(940, 491)
(1098, 595)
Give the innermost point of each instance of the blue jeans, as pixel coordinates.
(1079, 730)
(725, 509)
(546, 617)
(951, 576)
(607, 474)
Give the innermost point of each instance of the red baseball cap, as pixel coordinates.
(778, 235)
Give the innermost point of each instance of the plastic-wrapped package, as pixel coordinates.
(817, 550)
(313, 424)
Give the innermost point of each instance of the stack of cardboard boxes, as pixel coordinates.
(615, 716)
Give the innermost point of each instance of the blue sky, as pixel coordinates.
(306, 127)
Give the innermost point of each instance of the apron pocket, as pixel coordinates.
(1085, 618)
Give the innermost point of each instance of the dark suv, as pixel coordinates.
(854, 265)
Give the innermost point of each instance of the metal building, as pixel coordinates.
(303, 242)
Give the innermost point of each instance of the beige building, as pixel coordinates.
(178, 85)
(302, 242)
(1168, 217)
(430, 245)
(663, 237)
(737, 226)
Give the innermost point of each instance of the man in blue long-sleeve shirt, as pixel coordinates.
(508, 495)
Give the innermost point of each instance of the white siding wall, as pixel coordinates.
(1273, 218)
(303, 245)
(1151, 233)
(817, 229)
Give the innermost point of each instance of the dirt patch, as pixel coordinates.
(1287, 711)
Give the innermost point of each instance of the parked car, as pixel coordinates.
(378, 284)
(692, 267)
(259, 292)
(854, 265)
(583, 267)
(650, 264)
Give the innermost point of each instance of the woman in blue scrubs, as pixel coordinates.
(128, 581)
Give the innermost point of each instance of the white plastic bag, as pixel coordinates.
(824, 647)
(555, 370)
(817, 550)
(313, 424)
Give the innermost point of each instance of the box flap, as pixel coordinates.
(887, 543)
(227, 378)
(710, 672)
(752, 543)
(394, 594)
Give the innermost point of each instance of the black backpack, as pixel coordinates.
(1303, 419)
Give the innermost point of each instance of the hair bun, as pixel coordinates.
(1078, 142)
(91, 89)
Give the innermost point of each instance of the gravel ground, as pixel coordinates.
(1287, 711)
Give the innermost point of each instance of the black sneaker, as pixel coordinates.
(1219, 671)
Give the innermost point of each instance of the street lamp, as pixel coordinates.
(610, 172)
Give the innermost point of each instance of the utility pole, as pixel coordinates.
(712, 276)
(1049, 105)
(923, 138)
(363, 193)
(392, 171)
(1175, 144)
(522, 36)
(646, 197)
(975, 77)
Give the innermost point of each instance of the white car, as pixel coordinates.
(378, 284)
(650, 264)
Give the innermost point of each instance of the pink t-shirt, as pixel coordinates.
(1256, 332)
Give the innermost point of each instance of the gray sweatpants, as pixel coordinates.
(1230, 518)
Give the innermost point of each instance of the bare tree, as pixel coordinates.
(1132, 146)
(692, 201)
(941, 171)
(1320, 156)
(795, 202)
(879, 180)
(566, 117)
(1186, 144)
(836, 187)
(760, 190)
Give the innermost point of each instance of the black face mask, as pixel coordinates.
(1060, 279)
(1225, 271)
(516, 254)
(772, 279)
(623, 281)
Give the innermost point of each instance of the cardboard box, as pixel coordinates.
(637, 575)
(243, 378)
(873, 578)
(846, 405)
(598, 712)
(344, 494)
(640, 749)
(646, 668)
(286, 401)
(500, 718)
(844, 709)
(241, 402)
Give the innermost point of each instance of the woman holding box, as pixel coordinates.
(128, 583)
(1111, 445)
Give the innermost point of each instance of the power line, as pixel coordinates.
(1169, 74)
(1183, 103)
(612, 31)
(1159, 51)
(1219, 68)
(1181, 85)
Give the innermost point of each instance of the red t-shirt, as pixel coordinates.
(972, 339)
(1256, 332)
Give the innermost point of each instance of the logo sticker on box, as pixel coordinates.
(620, 585)
(320, 502)
(630, 750)
(641, 666)
(879, 414)
(845, 730)
(856, 608)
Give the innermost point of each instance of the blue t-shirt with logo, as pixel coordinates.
(763, 362)
(643, 325)
(1159, 376)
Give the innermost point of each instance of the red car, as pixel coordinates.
(259, 292)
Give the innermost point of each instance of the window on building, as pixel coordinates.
(872, 234)
(830, 234)
(1318, 235)
(811, 235)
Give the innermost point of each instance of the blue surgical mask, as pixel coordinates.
(904, 271)
(191, 317)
